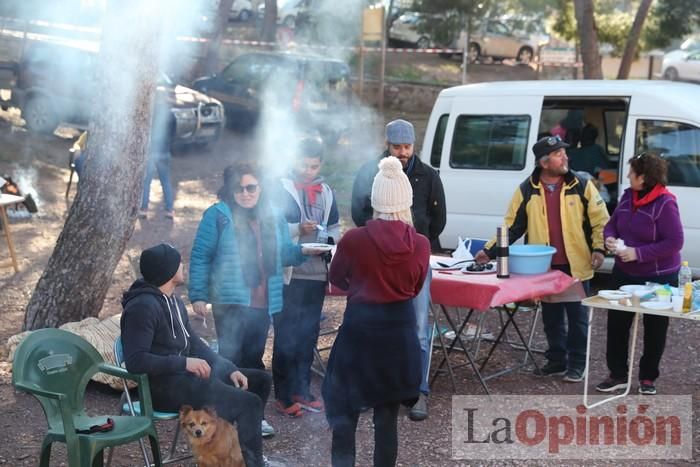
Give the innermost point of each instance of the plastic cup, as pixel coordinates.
(677, 301)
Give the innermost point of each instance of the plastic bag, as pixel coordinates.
(463, 249)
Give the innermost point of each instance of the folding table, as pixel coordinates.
(483, 292)
(6, 200)
(597, 302)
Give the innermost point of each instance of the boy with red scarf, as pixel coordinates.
(311, 211)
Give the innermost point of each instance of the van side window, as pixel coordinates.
(438, 141)
(614, 127)
(678, 143)
(496, 142)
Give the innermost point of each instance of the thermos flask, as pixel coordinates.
(502, 252)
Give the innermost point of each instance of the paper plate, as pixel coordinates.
(632, 288)
(317, 246)
(485, 271)
(614, 294)
(657, 305)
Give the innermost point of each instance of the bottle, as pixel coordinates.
(687, 297)
(685, 275)
(322, 235)
(502, 252)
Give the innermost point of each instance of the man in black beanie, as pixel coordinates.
(159, 341)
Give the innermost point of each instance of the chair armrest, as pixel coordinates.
(34, 389)
(143, 387)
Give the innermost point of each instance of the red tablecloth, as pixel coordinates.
(483, 291)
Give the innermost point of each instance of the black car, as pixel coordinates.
(314, 91)
(55, 84)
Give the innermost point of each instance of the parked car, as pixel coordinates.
(683, 64)
(406, 28)
(315, 90)
(287, 11)
(55, 85)
(241, 10)
(493, 38)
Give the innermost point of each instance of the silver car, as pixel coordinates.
(493, 38)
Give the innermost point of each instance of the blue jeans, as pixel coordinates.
(421, 304)
(159, 162)
(567, 345)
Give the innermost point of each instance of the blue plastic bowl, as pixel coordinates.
(530, 259)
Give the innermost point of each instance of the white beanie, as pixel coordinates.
(391, 190)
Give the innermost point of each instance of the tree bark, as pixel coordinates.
(211, 58)
(588, 37)
(269, 26)
(101, 220)
(633, 40)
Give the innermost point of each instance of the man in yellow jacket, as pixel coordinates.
(556, 207)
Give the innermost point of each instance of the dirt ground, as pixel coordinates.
(40, 164)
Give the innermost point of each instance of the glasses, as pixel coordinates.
(639, 156)
(252, 188)
(552, 140)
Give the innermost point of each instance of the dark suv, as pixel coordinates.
(314, 91)
(55, 84)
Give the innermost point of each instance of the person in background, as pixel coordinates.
(375, 359)
(312, 215)
(429, 218)
(158, 340)
(556, 207)
(647, 220)
(159, 160)
(79, 151)
(590, 157)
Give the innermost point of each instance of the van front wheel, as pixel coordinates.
(39, 114)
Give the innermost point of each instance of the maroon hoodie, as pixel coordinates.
(383, 262)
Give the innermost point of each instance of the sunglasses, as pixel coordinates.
(552, 140)
(252, 188)
(639, 156)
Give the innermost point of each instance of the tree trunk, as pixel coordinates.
(211, 58)
(269, 27)
(588, 37)
(101, 220)
(633, 40)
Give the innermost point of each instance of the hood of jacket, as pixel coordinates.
(394, 239)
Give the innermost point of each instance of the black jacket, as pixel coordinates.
(429, 211)
(157, 336)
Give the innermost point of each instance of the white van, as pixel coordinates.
(480, 138)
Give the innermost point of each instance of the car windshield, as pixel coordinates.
(691, 44)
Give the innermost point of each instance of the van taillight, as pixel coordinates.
(296, 100)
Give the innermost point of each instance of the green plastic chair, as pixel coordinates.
(55, 366)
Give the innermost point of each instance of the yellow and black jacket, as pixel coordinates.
(583, 217)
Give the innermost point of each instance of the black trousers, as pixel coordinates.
(296, 333)
(242, 333)
(243, 408)
(655, 328)
(385, 437)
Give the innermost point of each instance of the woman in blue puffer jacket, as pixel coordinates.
(236, 264)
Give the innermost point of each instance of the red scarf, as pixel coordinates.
(654, 193)
(310, 190)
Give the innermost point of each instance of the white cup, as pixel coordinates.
(677, 301)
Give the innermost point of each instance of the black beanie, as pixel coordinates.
(159, 264)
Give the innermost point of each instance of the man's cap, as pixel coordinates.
(159, 264)
(400, 132)
(547, 145)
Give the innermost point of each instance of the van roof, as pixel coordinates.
(680, 92)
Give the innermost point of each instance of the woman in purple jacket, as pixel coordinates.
(648, 221)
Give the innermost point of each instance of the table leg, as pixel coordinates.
(630, 363)
(458, 338)
(443, 347)
(8, 237)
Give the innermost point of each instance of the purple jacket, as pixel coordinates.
(654, 230)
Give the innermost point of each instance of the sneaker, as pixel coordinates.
(550, 369)
(267, 429)
(143, 214)
(309, 403)
(646, 386)
(573, 375)
(269, 461)
(419, 411)
(170, 214)
(294, 410)
(612, 384)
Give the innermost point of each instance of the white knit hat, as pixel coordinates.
(391, 190)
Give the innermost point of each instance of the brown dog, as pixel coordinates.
(214, 441)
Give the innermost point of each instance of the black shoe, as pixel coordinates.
(419, 411)
(550, 369)
(573, 375)
(646, 386)
(612, 384)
